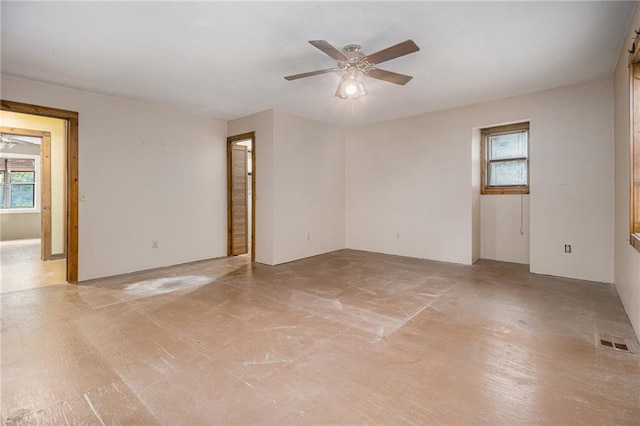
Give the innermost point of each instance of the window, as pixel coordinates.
(18, 179)
(505, 159)
(634, 163)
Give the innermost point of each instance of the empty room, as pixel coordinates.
(320, 212)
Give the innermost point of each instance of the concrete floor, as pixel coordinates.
(343, 338)
(22, 269)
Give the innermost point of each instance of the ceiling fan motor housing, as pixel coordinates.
(356, 59)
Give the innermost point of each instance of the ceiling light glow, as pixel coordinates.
(350, 87)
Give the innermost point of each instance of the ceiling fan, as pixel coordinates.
(9, 141)
(352, 61)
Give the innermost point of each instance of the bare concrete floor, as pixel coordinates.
(22, 269)
(344, 338)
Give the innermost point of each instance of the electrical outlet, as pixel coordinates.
(567, 248)
(308, 237)
(154, 244)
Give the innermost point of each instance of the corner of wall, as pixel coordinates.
(476, 219)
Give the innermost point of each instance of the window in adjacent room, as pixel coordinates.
(505, 159)
(18, 180)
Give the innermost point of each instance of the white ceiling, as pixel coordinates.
(228, 59)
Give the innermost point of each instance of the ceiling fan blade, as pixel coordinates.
(310, 74)
(391, 77)
(19, 139)
(393, 52)
(329, 50)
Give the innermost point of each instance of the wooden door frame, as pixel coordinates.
(72, 120)
(230, 141)
(238, 176)
(44, 184)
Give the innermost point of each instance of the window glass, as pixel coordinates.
(23, 177)
(508, 173)
(512, 145)
(18, 183)
(22, 196)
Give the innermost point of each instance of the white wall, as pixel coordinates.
(501, 227)
(412, 177)
(149, 173)
(627, 259)
(18, 226)
(571, 200)
(476, 206)
(309, 190)
(58, 186)
(262, 124)
(300, 181)
(408, 188)
(249, 202)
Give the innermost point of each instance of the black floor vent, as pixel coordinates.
(621, 346)
(606, 343)
(617, 343)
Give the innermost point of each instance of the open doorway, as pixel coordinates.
(32, 202)
(241, 195)
(44, 183)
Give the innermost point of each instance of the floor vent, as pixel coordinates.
(617, 343)
(621, 346)
(606, 343)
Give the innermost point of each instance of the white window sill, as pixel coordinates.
(18, 211)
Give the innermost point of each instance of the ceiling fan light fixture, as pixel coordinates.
(351, 60)
(362, 91)
(350, 87)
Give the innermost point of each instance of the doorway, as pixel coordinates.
(241, 195)
(33, 198)
(29, 255)
(67, 241)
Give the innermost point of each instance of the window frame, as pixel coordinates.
(634, 144)
(36, 185)
(499, 130)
